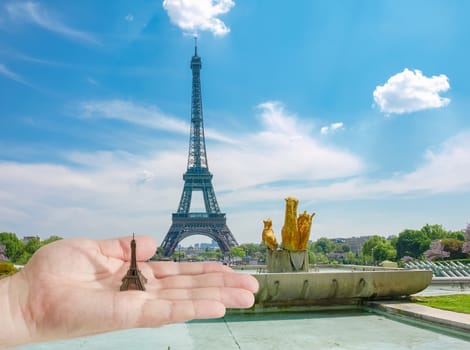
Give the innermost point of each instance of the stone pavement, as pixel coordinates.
(455, 320)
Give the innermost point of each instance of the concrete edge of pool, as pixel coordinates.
(448, 319)
(311, 288)
(383, 290)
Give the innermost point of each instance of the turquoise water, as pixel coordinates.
(353, 329)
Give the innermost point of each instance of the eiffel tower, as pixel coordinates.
(212, 222)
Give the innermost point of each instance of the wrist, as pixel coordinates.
(13, 328)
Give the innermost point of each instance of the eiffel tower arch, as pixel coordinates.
(212, 222)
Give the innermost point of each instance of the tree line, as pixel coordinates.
(430, 242)
(18, 251)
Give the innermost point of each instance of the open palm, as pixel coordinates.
(70, 288)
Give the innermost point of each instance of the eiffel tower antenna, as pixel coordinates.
(212, 222)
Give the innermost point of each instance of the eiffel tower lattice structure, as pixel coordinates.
(212, 222)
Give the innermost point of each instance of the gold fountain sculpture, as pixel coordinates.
(292, 254)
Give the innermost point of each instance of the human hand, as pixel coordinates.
(70, 288)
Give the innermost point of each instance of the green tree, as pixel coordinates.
(412, 243)
(454, 247)
(317, 258)
(250, 248)
(384, 251)
(238, 251)
(377, 249)
(211, 254)
(32, 245)
(459, 235)
(262, 248)
(23, 258)
(50, 240)
(323, 245)
(350, 258)
(371, 243)
(341, 248)
(177, 255)
(312, 258)
(393, 241)
(434, 231)
(14, 247)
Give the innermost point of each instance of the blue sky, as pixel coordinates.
(357, 108)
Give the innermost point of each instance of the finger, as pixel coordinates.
(215, 279)
(231, 297)
(163, 269)
(140, 310)
(120, 248)
(181, 311)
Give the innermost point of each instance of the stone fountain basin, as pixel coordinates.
(342, 287)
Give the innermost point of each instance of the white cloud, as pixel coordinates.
(193, 16)
(92, 81)
(136, 114)
(12, 75)
(112, 193)
(129, 17)
(283, 150)
(18, 55)
(35, 13)
(107, 194)
(108, 197)
(411, 91)
(444, 170)
(148, 116)
(335, 126)
(331, 128)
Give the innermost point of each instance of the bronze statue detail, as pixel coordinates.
(134, 279)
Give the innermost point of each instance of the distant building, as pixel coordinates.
(204, 246)
(26, 239)
(355, 243)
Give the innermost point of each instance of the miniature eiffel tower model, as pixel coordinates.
(134, 279)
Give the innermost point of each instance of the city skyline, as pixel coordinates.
(358, 109)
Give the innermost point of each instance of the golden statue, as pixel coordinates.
(304, 224)
(295, 232)
(289, 230)
(293, 257)
(268, 236)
